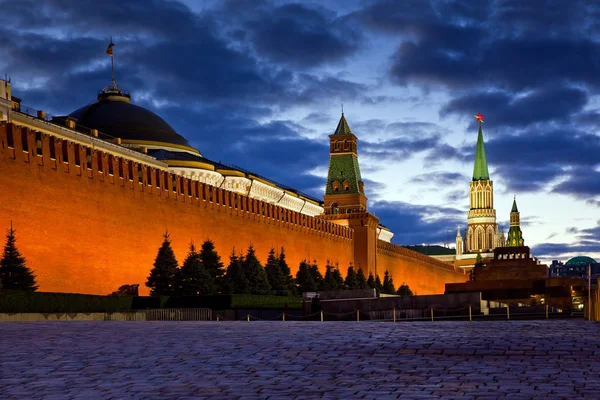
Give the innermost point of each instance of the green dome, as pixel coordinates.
(581, 260)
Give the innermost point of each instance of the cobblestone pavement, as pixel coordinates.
(300, 360)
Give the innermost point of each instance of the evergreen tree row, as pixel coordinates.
(203, 273)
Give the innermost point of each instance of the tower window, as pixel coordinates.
(65, 151)
(181, 185)
(99, 157)
(149, 176)
(38, 143)
(157, 177)
(77, 153)
(196, 188)
(24, 140)
(189, 187)
(52, 149)
(111, 161)
(166, 178)
(174, 183)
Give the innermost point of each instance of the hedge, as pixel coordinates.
(44, 302)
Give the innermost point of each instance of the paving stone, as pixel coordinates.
(300, 360)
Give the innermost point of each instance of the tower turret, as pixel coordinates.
(482, 229)
(345, 200)
(515, 235)
(459, 242)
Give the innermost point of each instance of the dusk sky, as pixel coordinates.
(259, 84)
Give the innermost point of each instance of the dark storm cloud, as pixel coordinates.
(447, 179)
(416, 224)
(397, 149)
(162, 48)
(551, 103)
(547, 250)
(582, 182)
(297, 35)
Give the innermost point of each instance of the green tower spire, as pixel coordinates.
(515, 235)
(514, 207)
(344, 172)
(480, 170)
(343, 128)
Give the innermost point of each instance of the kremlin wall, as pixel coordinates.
(90, 208)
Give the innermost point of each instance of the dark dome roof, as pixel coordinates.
(114, 115)
(581, 260)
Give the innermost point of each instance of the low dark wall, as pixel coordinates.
(439, 302)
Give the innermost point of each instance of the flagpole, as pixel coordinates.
(112, 61)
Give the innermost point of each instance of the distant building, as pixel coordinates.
(576, 267)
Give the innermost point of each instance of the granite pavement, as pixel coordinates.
(558, 359)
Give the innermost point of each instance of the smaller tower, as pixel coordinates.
(344, 193)
(459, 242)
(515, 236)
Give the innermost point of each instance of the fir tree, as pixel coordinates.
(371, 281)
(193, 279)
(258, 283)
(479, 261)
(274, 275)
(388, 284)
(404, 290)
(213, 265)
(361, 280)
(287, 274)
(351, 278)
(235, 278)
(339, 279)
(162, 277)
(304, 278)
(378, 284)
(14, 273)
(316, 274)
(329, 282)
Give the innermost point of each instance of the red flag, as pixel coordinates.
(109, 49)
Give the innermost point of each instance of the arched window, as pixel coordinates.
(490, 240)
(334, 208)
(479, 240)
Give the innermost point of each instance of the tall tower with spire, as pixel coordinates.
(344, 193)
(345, 202)
(515, 235)
(482, 231)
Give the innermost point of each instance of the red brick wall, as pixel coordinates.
(424, 275)
(87, 231)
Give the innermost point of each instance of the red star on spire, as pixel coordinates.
(479, 118)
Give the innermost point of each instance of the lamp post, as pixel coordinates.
(589, 304)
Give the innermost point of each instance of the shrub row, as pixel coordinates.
(43, 302)
(36, 302)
